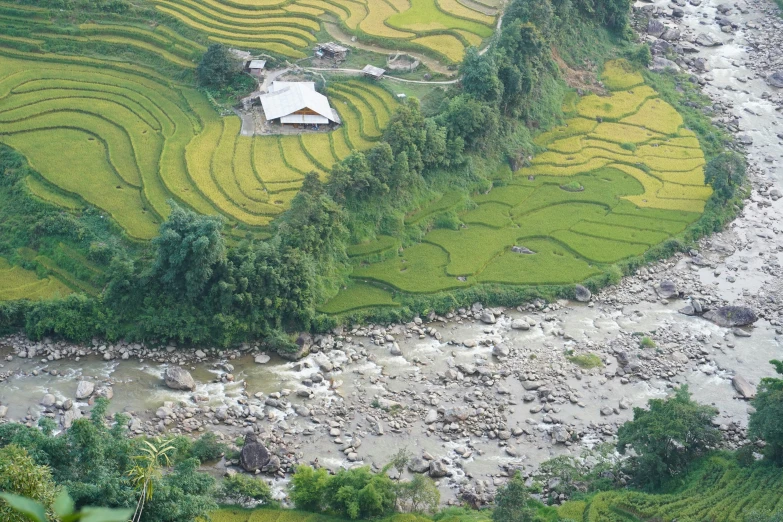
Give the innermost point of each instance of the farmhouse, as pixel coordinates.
(331, 50)
(297, 103)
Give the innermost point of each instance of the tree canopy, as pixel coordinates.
(667, 436)
(766, 422)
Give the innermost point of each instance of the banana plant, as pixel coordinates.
(63, 509)
(147, 468)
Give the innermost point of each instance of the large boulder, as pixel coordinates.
(487, 317)
(743, 387)
(254, 455)
(776, 79)
(655, 28)
(731, 316)
(582, 293)
(84, 389)
(666, 289)
(437, 470)
(179, 379)
(418, 465)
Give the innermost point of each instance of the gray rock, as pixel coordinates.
(437, 470)
(262, 358)
(520, 324)
(606, 411)
(655, 27)
(48, 400)
(395, 349)
(582, 293)
(521, 250)
(418, 465)
(666, 289)
(776, 79)
(671, 34)
(70, 416)
(560, 434)
(687, 310)
(743, 387)
(660, 63)
(625, 403)
(84, 389)
(254, 455)
(731, 316)
(273, 465)
(200, 354)
(431, 417)
(3, 411)
(179, 379)
(501, 350)
(487, 317)
(706, 40)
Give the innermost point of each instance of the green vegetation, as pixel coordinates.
(586, 361)
(766, 423)
(646, 342)
(668, 437)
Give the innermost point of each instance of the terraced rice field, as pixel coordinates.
(441, 28)
(18, 283)
(620, 177)
(724, 492)
(126, 140)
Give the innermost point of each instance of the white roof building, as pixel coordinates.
(297, 103)
(256, 64)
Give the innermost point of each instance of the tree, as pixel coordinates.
(217, 68)
(419, 495)
(512, 502)
(480, 76)
(147, 469)
(725, 172)
(399, 461)
(188, 249)
(766, 422)
(308, 487)
(20, 475)
(667, 437)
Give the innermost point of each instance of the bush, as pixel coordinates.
(586, 361)
(245, 489)
(646, 342)
(20, 475)
(208, 448)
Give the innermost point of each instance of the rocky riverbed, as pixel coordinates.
(481, 392)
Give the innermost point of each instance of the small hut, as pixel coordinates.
(255, 67)
(331, 50)
(376, 73)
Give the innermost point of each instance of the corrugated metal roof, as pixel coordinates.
(256, 64)
(373, 70)
(285, 98)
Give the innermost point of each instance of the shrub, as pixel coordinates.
(646, 342)
(586, 361)
(20, 475)
(245, 489)
(629, 146)
(207, 448)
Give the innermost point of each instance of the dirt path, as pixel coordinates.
(344, 38)
(394, 78)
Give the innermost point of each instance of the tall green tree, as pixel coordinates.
(217, 67)
(766, 422)
(667, 436)
(512, 502)
(479, 76)
(189, 247)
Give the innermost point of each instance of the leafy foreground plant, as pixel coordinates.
(63, 508)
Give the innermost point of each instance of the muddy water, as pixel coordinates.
(366, 371)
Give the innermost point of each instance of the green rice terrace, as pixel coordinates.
(126, 140)
(441, 28)
(622, 175)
